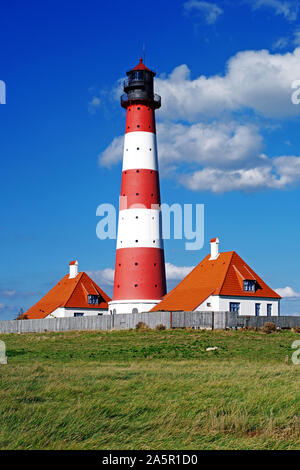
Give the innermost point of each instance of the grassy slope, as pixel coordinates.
(143, 390)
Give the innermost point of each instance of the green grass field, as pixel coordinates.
(150, 390)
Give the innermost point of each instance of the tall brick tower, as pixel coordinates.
(140, 280)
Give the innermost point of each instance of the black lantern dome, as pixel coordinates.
(139, 87)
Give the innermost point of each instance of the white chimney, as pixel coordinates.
(214, 248)
(73, 269)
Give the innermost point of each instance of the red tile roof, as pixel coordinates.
(223, 276)
(73, 262)
(68, 293)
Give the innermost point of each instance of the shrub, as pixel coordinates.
(141, 326)
(160, 327)
(296, 329)
(269, 327)
(251, 328)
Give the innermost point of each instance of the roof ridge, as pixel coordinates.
(97, 288)
(80, 274)
(224, 279)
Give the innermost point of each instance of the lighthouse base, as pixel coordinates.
(131, 306)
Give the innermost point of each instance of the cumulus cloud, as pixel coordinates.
(214, 144)
(210, 11)
(288, 293)
(113, 153)
(103, 276)
(289, 9)
(255, 80)
(277, 173)
(177, 272)
(216, 157)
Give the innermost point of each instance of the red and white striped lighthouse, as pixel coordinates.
(140, 280)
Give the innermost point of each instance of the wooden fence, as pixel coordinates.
(202, 320)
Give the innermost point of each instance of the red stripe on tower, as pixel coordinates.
(140, 281)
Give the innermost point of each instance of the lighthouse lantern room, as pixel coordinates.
(140, 281)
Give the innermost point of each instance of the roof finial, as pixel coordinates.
(144, 52)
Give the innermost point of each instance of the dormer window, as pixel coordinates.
(93, 299)
(249, 285)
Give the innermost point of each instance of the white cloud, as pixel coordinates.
(288, 292)
(177, 272)
(217, 157)
(214, 144)
(103, 277)
(256, 80)
(211, 11)
(94, 104)
(277, 173)
(289, 9)
(2, 306)
(113, 153)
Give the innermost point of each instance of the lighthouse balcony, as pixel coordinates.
(154, 102)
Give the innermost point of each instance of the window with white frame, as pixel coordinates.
(257, 309)
(249, 285)
(269, 309)
(234, 307)
(93, 299)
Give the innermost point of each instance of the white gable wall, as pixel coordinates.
(247, 305)
(211, 304)
(62, 312)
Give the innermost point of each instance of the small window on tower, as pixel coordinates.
(93, 299)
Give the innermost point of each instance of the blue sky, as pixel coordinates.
(228, 133)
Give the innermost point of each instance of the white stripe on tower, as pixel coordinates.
(140, 151)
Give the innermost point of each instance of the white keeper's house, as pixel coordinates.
(222, 282)
(75, 295)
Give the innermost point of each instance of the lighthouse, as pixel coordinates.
(140, 281)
